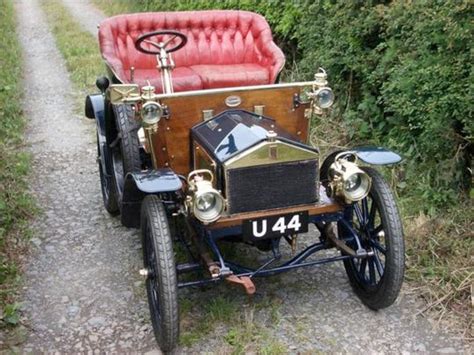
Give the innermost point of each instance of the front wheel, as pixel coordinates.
(377, 279)
(161, 283)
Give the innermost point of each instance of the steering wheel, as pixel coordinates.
(160, 45)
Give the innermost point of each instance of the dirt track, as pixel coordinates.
(82, 289)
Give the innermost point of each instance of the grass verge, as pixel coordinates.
(16, 204)
(231, 318)
(78, 47)
(441, 266)
(115, 7)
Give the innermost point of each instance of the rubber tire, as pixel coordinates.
(387, 289)
(128, 149)
(127, 126)
(156, 234)
(109, 193)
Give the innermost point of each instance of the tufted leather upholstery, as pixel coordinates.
(225, 48)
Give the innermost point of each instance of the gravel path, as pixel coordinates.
(82, 286)
(82, 290)
(86, 14)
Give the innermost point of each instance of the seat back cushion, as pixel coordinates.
(217, 37)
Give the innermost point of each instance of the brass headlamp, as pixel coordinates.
(151, 113)
(347, 180)
(204, 201)
(151, 110)
(322, 95)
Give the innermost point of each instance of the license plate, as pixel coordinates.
(275, 226)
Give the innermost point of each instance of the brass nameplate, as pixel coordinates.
(124, 93)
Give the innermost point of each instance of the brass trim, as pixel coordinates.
(201, 155)
(258, 109)
(259, 155)
(149, 135)
(207, 114)
(117, 93)
(235, 89)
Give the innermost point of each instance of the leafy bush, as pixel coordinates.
(401, 73)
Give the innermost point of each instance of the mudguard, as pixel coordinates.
(377, 155)
(370, 155)
(94, 109)
(139, 184)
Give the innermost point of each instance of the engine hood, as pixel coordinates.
(235, 131)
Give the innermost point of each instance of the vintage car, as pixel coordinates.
(199, 144)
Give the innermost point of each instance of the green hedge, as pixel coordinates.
(401, 71)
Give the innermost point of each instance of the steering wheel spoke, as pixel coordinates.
(171, 39)
(145, 38)
(154, 44)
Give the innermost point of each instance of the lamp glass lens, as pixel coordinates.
(352, 183)
(325, 98)
(151, 113)
(206, 202)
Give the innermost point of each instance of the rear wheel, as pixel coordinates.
(161, 283)
(109, 195)
(125, 147)
(377, 279)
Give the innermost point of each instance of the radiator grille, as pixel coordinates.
(271, 186)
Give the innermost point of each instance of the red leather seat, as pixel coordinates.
(225, 48)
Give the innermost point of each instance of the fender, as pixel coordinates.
(94, 108)
(377, 155)
(369, 154)
(139, 184)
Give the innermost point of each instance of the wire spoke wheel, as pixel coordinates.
(377, 279)
(118, 171)
(161, 282)
(367, 222)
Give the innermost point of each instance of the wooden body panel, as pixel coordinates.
(172, 141)
(324, 205)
